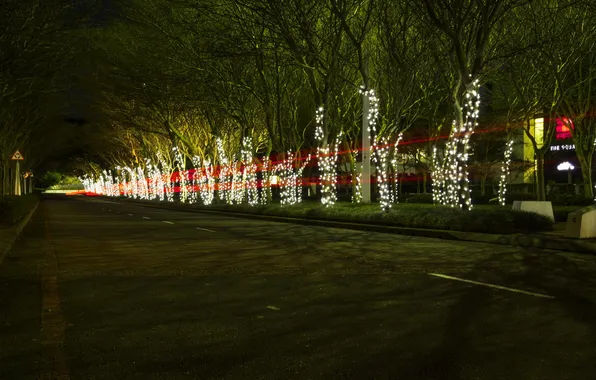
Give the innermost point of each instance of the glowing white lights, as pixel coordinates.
(565, 166)
(204, 180)
(249, 172)
(225, 175)
(381, 149)
(266, 181)
(452, 183)
(183, 180)
(290, 179)
(327, 157)
(505, 170)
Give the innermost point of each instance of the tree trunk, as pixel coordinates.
(483, 185)
(585, 162)
(424, 181)
(353, 170)
(540, 186)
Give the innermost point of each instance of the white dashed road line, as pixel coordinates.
(129, 214)
(491, 285)
(205, 229)
(146, 217)
(165, 221)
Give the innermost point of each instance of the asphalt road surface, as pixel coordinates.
(102, 290)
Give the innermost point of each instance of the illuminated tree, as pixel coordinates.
(467, 30)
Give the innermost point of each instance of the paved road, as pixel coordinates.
(100, 290)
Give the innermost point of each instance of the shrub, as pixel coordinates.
(570, 200)
(420, 198)
(14, 208)
(489, 219)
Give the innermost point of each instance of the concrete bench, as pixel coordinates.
(581, 224)
(539, 207)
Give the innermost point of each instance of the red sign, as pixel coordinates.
(564, 127)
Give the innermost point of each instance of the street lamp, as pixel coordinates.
(568, 167)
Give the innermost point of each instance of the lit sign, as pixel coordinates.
(564, 127)
(562, 147)
(563, 166)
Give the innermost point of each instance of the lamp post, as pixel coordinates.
(568, 167)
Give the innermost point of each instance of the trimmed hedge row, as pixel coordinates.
(14, 208)
(495, 219)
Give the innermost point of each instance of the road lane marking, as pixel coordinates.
(274, 308)
(205, 229)
(146, 217)
(129, 214)
(491, 285)
(165, 221)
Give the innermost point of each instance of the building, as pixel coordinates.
(561, 166)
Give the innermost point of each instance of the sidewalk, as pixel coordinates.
(553, 240)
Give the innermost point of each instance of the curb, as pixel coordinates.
(15, 232)
(520, 240)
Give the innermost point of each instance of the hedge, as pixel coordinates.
(498, 220)
(14, 208)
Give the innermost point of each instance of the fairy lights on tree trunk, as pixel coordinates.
(266, 181)
(142, 189)
(395, 167)
(453, 183)
(205, 177)
(505, 170)
(357, 192)
(225, 179)
(438, 180)
(237, 193)
(180, 166)
(166, 178)
(381, 149)
(327, 155)
(249, 172)
(195, 180)
(285, 172)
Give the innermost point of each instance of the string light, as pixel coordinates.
(357, 191)
(195, 180)
(290, 175)
(183, 180)
(285, 173)
(438, 180)
(205, 180)
(249, 173)
(142, 189)
(381, 150)
(166, 178)
(394, 164)
(505, 173)
(327, 157)
(266, 181)
(225, 175)
(237, 193)
(453, 183)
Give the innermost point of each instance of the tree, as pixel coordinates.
(468, 31)
(575, 56)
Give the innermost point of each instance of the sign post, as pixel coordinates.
(17, 157)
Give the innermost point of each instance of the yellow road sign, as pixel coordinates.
(17, 156)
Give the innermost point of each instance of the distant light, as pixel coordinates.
(274, 179)
(565, 166)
